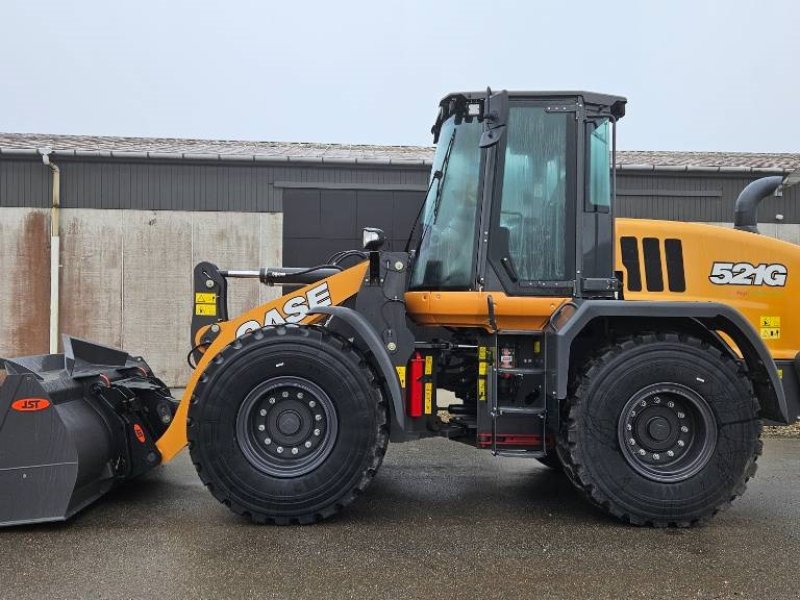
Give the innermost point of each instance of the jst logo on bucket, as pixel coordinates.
(30, 404)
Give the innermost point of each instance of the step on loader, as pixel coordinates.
(639, 357)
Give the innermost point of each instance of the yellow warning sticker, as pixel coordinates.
(401, 374)
(205, 310)
(482, 351)
(771, 322)
(780, 373)
(428, 398)
(205, 298)
(482, 368)
(428, 365)
(770, 333)
(482, 389)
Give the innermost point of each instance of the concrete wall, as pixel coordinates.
(126, 276)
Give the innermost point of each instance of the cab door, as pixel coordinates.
(532, 247)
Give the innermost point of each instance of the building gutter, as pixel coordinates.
(55, 246)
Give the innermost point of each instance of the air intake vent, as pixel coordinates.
(630, 260)
(675, 271)
(653, 264)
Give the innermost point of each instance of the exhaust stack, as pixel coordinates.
(745, 215)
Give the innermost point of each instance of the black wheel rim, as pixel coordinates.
(287, 426)
(667, 432)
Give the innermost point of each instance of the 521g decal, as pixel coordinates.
(773, 275)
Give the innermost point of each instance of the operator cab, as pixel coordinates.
(520, 196)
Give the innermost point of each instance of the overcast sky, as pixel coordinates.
(698, 75)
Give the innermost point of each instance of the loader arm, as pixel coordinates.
(210, 339)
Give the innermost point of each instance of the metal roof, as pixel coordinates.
(16, 144)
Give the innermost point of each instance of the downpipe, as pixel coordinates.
(55, 246)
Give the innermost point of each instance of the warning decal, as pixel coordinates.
(770, 327)
(401, 374)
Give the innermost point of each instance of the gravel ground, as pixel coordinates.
(792, 431)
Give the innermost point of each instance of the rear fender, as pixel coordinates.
(573, 318)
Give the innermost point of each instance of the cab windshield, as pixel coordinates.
(446, 251)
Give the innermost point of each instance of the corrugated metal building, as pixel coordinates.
(340, 185)
(138, 212)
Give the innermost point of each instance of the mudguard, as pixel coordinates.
(367, 334)
(572, 318)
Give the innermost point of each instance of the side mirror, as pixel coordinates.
(373, 238)
(495, 114)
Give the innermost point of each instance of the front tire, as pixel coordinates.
(662, 430)
(287, 425)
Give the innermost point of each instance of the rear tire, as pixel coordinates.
(287, 425)
(662, 430)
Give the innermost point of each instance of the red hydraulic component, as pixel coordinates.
(415, 385)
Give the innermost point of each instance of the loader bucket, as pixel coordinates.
(73, 425)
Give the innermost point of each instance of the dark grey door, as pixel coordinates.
(318, 222)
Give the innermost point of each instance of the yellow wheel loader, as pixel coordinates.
(640, 357)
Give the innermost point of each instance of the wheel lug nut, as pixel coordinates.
(632, 442)
(629, 427)
(670, 453)
(284, 394)
(261, 428)
(656, 457)
(272, 400)
(681, 443)
(671, 404)
(316, 432)
(294, 450)
(657, 400)
(642, 451)
(633, 413)
(681, 415)
(300, 395)
(267, 441)
(684, 429)
(318, 417)
(643, 403)
(263, 412)
(307, 444)
(311, 403)
(280, 449)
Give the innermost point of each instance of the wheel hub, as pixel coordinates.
(667, 432)
(289, 422)
(286, 426)
(659, 428)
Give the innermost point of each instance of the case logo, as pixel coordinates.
(30, 404)
(725, 273)
(293, 310)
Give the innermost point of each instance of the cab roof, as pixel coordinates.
(616, 104)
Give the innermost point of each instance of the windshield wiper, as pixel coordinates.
(438, 176)
(442, 173)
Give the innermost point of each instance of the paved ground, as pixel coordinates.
(441, 520)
